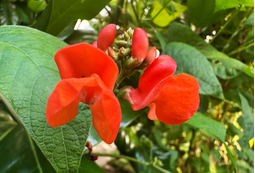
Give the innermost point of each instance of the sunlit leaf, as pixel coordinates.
(161, 15)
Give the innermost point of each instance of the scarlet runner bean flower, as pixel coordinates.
(172, 99)
(88, 75)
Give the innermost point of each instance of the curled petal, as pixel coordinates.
(140, 44)
(151, 55)
(94, 44)
(173, 101)
(62, 105)
(83, 60)
(161, 68)
(106, 37)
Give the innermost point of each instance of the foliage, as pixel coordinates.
(212, 40)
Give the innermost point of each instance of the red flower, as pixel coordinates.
(172, 99)
(88, 75)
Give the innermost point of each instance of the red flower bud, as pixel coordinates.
(94, 44)
(151, 56)
(106, 37)
(140, 44)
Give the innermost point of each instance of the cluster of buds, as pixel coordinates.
(130, 48)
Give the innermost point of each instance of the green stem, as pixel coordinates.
(136, 14)
(34, 152)
(133, 160)
(241, 48)
(122, 156)
(161, 169)
(120, 77)
(238, 29)
(224, 26)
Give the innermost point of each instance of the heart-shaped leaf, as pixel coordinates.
(28, 76)
(189, 60)
(223, 66)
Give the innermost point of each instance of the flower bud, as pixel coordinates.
(106, 37)
(94, 44)
(112, 54)
(140, 44)
(151, 56)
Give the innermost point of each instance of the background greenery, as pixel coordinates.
(212, 40)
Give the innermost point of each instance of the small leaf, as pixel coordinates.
(250, 20)
(249, 3)
(189, 60)
(162, 16)
(226, 4)
(59, 14)
(231, 156)
(209, 126)
(247, 118)
(223, 66)
(36, 6)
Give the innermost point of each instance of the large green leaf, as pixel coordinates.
(20, 154)
(209, 126)
(189, 60)
(223, 66)
(28, 76)
(58, 14)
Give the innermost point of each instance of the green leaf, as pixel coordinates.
(7, 13)
(162, 17)
(20, 154)
(231, 156)
(128, 115)
(202, 12)
(223, 66)
(28, 76)
(207, 125)
(36, 6)
(249, 3)
(225, 4)
(88, 166)
(247, 118)
(250, 20)
(59, 14)
(189, 60)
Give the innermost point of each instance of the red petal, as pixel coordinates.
(177, 101)
(62, 105)
(82, 60)
(106, 37)
(151, 55)
(161, 68)
(140, 44)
